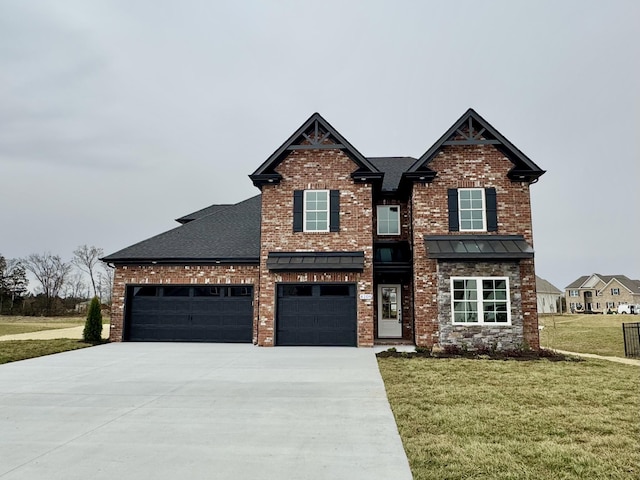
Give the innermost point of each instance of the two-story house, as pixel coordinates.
(601, 293)
(343, 249)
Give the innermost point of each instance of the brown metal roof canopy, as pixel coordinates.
(478, 247)
(315, 261)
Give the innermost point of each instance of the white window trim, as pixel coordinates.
(386, 207)
(484, 211)
(480, 302)
(574, 293)
(304, 211)
(615, 291)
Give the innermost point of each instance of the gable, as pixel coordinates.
(472, 129)
(314, 134)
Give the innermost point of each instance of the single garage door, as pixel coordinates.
(176, 313)
(316, 314)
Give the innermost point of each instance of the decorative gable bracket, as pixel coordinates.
(314, 134)
(472, 129)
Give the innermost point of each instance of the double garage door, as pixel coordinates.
(306, 314)
(190, 314)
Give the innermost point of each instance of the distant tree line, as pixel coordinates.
(60, 287)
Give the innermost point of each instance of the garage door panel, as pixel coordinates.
(316, 314)
(185, 317)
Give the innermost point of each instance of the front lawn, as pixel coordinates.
(599, 334)
(14, 350)
(13, 324)
(489, 419)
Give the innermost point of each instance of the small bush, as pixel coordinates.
(93, 326)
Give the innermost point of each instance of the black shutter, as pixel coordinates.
(298, 203)
(492, 209)
(452, 199)
(334, 211)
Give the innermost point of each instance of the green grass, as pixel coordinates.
(14, 350)
(10, 325)
(599, 334)
(484, 419)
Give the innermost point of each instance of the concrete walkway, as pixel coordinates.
(198, 411)
(72, 332)
(628, 361)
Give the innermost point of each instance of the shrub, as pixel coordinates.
(93, 326)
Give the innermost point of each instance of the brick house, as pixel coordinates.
(343, 249)
(601, 293)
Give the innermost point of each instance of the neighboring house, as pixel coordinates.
(601, 293)
(548, 296)
(343, 249)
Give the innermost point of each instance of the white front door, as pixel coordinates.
(389, 311)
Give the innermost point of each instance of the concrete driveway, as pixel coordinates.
(198, 411)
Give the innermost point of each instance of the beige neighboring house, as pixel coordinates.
(601, 293)
(548, 296)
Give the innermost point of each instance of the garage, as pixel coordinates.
(316, 314)
(180, 313)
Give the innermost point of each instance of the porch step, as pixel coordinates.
(400, 344)
(392, 341)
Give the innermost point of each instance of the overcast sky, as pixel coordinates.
(117, 117)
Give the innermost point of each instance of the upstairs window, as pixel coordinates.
(574, 293)
(615, 291)
(472, 210)
(316, 210)
(388, 220)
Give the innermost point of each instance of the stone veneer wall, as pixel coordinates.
(316, 170)
(177, 274)
(469, 166)
(501, 337)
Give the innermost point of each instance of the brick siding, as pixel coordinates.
(175, 274)
(316, 170)
(469, 166)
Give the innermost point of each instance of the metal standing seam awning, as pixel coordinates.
(315, 261)
(478, 247)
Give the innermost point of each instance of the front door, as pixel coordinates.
(389, 311)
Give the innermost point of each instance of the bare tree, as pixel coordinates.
(75, 287)
(51, 272)
(86, 258)
(105, 284)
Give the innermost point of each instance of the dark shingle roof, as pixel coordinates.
(393, 168)
(203, 212)
(229, 234)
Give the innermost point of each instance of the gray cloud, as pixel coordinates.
(119, 116)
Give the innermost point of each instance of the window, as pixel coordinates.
(480, 300)
(615, 291)
(471, 209)
(572, 306)
(611, 304)
(316, 210)
(388, 220)
(172, 291)
(573, 293)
